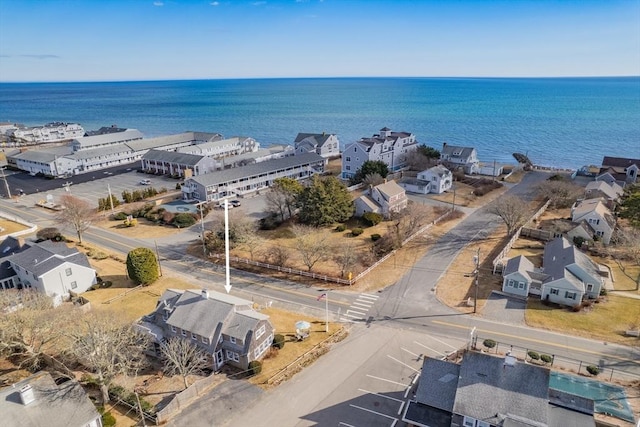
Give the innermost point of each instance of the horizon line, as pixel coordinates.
(317, 78)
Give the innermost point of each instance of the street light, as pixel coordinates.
(476, 260)
(204, 248)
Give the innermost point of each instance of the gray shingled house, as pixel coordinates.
(226, 327)
(52, 268)
(176, 164)
(38, 401)
(489, 391)
(325, 144)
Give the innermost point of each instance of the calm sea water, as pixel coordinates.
(565, 122)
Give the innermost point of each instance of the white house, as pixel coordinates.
(51, 132)
(392, 148)
(324, 144)
(571, 275)
(610, 191)
(385, 199)
(437, 180)
(596, 214)
(53, 269)
(464, 157)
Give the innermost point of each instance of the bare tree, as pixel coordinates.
(512, 210)
(31, 328)
(346, 256)
(109, 346)
(408, 221)
(311, 243)
(562, 194)
(76, 213)
(277, 255)
(373, 179)
(183, 358)
(283, 196)
(627, 249)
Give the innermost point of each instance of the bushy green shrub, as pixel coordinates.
(357, 231)
(278, 341)
(340, 228)
(183, 220)
(255, 367)
(270, 222)
(120, 216)
(142, 266)
(593, 370)
(49, 233)
(489, 343)
(372, 218)
(108, 420)
(375, 237)
(533, 355)
(546, 358)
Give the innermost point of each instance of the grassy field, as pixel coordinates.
(607, 320)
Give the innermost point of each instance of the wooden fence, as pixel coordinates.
(185, 398)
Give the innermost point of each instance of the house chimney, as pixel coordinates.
(205, 293)
(27, 395)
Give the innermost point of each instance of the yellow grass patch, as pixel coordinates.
(7, 227)
(607, 320)
(145, 229)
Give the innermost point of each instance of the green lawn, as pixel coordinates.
(607, 320)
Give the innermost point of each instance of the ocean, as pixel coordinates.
(557, 122)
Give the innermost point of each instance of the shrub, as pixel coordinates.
(270, 222)
(130, 222)
(603, 292)
(357, 231)
(546, 358)
(341, 228)
(578, 241)
(533, 355)
(106, 284)
(142, 266)
(49, 233)
(375, 237)
(489, 343)
(108, 420)
(255, 367)
(372, 218)
(278, 341)
(120, 216)
(593, 370)
(183, 220)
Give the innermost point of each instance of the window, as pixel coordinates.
(553, 291)
(483, 424)
(570, 295)
(521, 285)
(74, 285)
(232, 355)
(205, 340)
(469, 422)
(68, 272)
(232, 340)
(260, 331)
(510, 283)
(589, 287)
(173, 329)
(183, 332)
(194, 336)
(347, 159)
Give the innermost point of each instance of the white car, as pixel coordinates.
(145, 182)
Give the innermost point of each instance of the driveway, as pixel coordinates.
(504, 309)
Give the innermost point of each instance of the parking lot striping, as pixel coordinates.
(345, 424)
(429, 348)
(373, 412)
(380, 395)
(401, 406)
(406, 392)
(402, 363)
(411, 353)
(442, 342)
(384, 379)
(565, 347)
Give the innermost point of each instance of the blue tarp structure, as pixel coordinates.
(609, 399)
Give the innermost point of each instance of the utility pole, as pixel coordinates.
(6, 184)
(111, 199)
(476, 259)
(453, 205)
(204, 248)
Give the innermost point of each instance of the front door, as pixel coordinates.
(219, 359)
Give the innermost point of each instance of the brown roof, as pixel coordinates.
(619, 162)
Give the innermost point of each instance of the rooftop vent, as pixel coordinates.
(205, 293)
(27, 395)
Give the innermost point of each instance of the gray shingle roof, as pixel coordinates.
(45, 256)
(64, 405)
(108, 138)
(91, 153)
(201, 316)
(463, 152)
(438, 384)
(487, 388)
(318, 138)
(559, 253)
(44, 156)
(520, 264)
(257, 169)
(173, 157)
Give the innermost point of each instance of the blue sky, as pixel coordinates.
(105, 40)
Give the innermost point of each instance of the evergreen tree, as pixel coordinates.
(142, 266)
(325, 201)
(370, 167)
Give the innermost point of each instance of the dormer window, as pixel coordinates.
(232, 340)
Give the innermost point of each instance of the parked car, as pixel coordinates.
(235, 203)
(145, 182)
